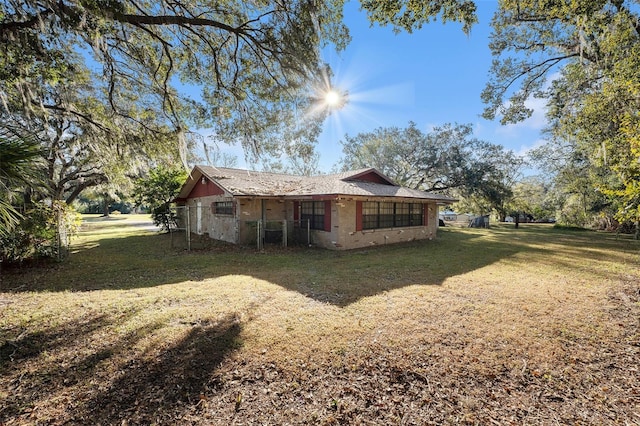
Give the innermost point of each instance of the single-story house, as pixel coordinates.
(340, 211)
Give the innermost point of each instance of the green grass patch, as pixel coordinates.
(534, 325)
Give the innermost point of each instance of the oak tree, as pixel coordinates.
(244, 68)
(158, 190)
(448, 159)
(583, 57)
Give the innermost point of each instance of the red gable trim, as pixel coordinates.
(206, 189)
(371, 176)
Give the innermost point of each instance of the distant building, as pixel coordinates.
(460, 219)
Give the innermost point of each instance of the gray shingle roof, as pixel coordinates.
(251, 183)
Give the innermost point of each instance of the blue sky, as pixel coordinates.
(433, 76)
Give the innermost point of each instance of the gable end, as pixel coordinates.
(205, 187)
(373, 176)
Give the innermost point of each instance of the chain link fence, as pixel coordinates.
(43, 232)
(65, 224)
(192, 227)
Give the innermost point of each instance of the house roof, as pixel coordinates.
(363, 182)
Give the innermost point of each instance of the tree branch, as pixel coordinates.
(91, 180)
(33, 22)
(86, 117)
(547, 64)
(175, 20)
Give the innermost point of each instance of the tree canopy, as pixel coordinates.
(244, 68)
(448, 159)
(158, 190)
(109, 85)
(583, 57)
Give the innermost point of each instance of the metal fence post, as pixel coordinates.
(284, 233)
(259, 234)
(188, 230)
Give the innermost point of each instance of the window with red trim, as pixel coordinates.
(314, 212)
(376, 215)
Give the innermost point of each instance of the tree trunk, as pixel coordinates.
(105, 206)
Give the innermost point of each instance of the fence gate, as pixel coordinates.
(299, 232)
(179, 227)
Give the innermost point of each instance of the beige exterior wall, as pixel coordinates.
(348, 238)
(250, 210)
(326, 239)
(218, 227)
(241, 227)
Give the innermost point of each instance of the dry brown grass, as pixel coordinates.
(499, 326)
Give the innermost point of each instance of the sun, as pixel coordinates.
(328, 100)
(332, 98)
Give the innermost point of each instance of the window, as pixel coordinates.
(313, 211)
(370, 215)
(416, 215)
(223, 208)
(403, 216)
(386, 215)
(377, 215)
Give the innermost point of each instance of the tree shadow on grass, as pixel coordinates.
(104, 383)
(19, 345)
(376, 270)
(157, 390)
(339, 278)
(27, 371)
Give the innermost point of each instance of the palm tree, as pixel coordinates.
(19, 158)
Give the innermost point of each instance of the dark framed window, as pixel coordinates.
(370, 215)
(403, 214)
(313, 211)
(223, 208)
(416, 214)
(376, 215)
(386, 215)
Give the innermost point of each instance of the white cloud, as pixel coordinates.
(430, 127)
(523, 150)
(478, 128)
(537, 121)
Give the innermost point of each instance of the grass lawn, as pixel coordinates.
(479, 326)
